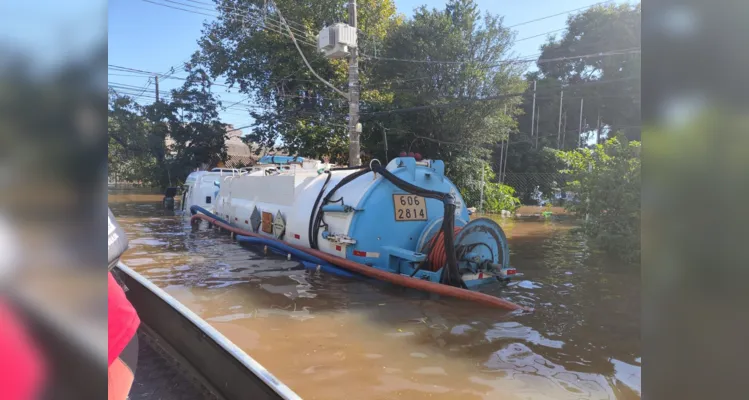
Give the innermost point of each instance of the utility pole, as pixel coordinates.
(580, 129)
(564, 130)
(504, 167)
(559, 124)
(533, 113)
(156, 79)
(502, 149)
(385, 139)
(354, 129)
(481, 202)
(538, 118)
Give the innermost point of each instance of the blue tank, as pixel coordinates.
(279, 159)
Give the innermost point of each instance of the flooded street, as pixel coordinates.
(330, 337)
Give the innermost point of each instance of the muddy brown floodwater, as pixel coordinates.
(329, 337)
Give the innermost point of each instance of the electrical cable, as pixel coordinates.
(230, 14)
(489, 98)
(518, 60)
(301, 53)
(556, 15)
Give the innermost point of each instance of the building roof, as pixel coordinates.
(234, 144)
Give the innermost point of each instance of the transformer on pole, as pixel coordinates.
(339, 41)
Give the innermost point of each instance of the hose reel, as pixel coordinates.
(480, 245)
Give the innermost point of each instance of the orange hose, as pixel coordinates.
(397, 279)
(437, 256)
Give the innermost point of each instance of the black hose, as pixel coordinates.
(411, 188)
(314, 208)
(450, 274)
(319, 214)
(346, 168)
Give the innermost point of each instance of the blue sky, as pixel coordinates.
(150, 37)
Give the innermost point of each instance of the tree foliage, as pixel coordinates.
(607, 77)
(131, 152)
(292, 108)
(162, 143)
(606, 183)
(305, 117)
(608, 82)
(616, 99)
(190, 121)
(453, 126)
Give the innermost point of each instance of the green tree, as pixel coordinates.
(292, 108)
(130, 153)
(607, 77)
(606, 183)
(449, 123)
(608, 82)
(191, 123)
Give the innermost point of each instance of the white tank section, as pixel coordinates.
(200, 189)
(292, 195)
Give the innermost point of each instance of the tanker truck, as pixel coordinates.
(403, 220)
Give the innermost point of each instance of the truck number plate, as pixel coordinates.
(409, 207)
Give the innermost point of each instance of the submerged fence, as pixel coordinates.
(530, 187)
(527, 183)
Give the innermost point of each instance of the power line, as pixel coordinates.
(488, 98)
(123, 91)
(144, 88)
(509, 27)
(282, 21)
(516, 60)
(151, 73)
(245, 16)
(301, 53)
(132, 90)
(556, 15)
(177, 8)
(173, 69)
(276, 82)
(231, 11)
(540, 34)
(262, 16)
(326, 124)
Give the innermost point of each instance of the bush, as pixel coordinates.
(497, 197)
(606, 183)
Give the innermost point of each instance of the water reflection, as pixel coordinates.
(329, 337)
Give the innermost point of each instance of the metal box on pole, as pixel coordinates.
(336, 40)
